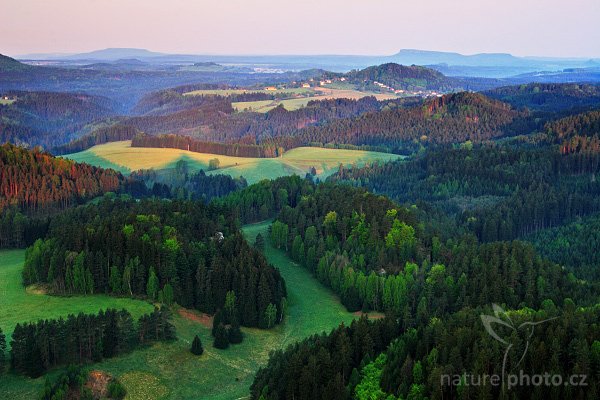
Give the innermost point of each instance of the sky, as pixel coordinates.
(559, 28)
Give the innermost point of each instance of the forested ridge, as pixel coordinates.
(171, 251)
(35, 185)
(497, 192)
(548, 97)
(49, 118)
(453, 118)
(35, 181)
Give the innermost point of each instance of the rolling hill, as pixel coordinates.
(122, 157)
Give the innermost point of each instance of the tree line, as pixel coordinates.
(190, 144)
(84, 338)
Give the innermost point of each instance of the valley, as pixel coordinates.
(147, 374)
(271, 201)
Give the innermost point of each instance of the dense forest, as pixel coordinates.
(443, 359)
(171, 251)
(35, 181)
(49, 118)
(497, 192)
(387, 259)
(35, 185)
(377, 255)
(574, 245)
(548, 97)
(576, 134)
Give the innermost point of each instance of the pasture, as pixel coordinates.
(122, 157)
(170, 371)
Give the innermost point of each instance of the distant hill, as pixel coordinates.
(112, 54)
(49, 118)
(424, 57)
(8, 64)
(549, 97)
(392, 76)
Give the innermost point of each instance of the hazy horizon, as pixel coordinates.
(308, 27)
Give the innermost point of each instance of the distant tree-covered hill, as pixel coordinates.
(49, 118)
(548, 97)
(497, 192)
(400, 77)
(453, 118)
(8, 64)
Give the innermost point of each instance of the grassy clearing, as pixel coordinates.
(19, 304)
(170, 371)
(122, 157)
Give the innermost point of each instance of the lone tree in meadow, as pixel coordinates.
(197, 348)
(213, 164)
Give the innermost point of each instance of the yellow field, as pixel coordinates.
(298, 97)
(121, 156)
(320, 93)
(227, 92)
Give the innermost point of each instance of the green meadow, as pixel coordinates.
(170, 371)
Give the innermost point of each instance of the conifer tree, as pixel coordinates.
(152, 286)
(197, 348)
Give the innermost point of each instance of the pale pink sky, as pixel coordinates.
(521, 27)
